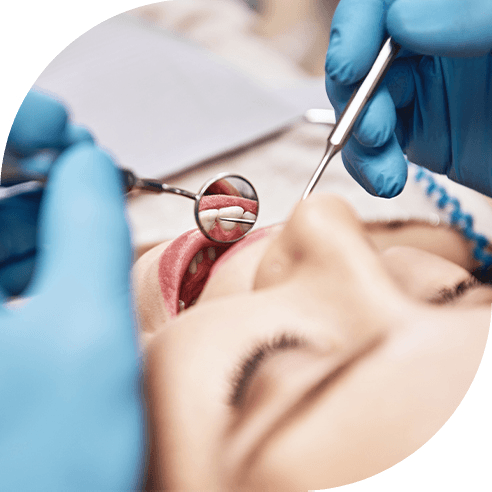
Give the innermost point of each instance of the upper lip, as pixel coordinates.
(176, 258)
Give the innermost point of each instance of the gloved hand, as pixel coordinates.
(40, 125)
(435, 103)
(70, 410)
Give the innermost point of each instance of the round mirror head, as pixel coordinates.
(226, 208)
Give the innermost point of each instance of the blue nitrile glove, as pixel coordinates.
(436, 100)
(70, 403)
(40, 125)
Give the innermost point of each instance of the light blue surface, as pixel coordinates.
(42, 123)
(70, 408)
(436, 102)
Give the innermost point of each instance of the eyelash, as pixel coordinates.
(251, 362)
(449, 294)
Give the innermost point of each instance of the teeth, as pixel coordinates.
(207, 218)
(211, 253)
(198, 258)
(247, 227)
(230, 213)
(181, 305)
(193, 268)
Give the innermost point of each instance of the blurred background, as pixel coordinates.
(185, 89)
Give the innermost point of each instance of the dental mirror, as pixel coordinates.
(226, 208)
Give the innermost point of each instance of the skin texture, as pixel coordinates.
(382, 365)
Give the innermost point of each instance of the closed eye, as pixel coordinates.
(254, 359)
(448, 295)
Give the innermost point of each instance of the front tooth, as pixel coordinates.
(230, 213)
(207, 218)
(247, 227)
(182, 306)
(193, 268)
(211, 254)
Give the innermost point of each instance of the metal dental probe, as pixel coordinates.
(343, 129)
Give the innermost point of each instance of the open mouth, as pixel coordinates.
(187, 263)
(184, 267)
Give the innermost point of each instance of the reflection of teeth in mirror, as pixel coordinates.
(247, 227)
(230, 213)
(207, 218)
(211, 253)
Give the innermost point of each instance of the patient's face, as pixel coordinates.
(319, 353)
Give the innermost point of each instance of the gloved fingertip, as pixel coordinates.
(374, 136)
(354, 172)
(380, 171)
(39, 124)
(378, 121)
(339, 69)
(388, 175)
(75, 134)
(389, 186)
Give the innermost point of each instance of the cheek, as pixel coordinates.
(441, 241)
(275, 267)
(420, 274)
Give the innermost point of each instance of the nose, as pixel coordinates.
(323, 237)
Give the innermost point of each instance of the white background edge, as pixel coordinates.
(457, 458)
